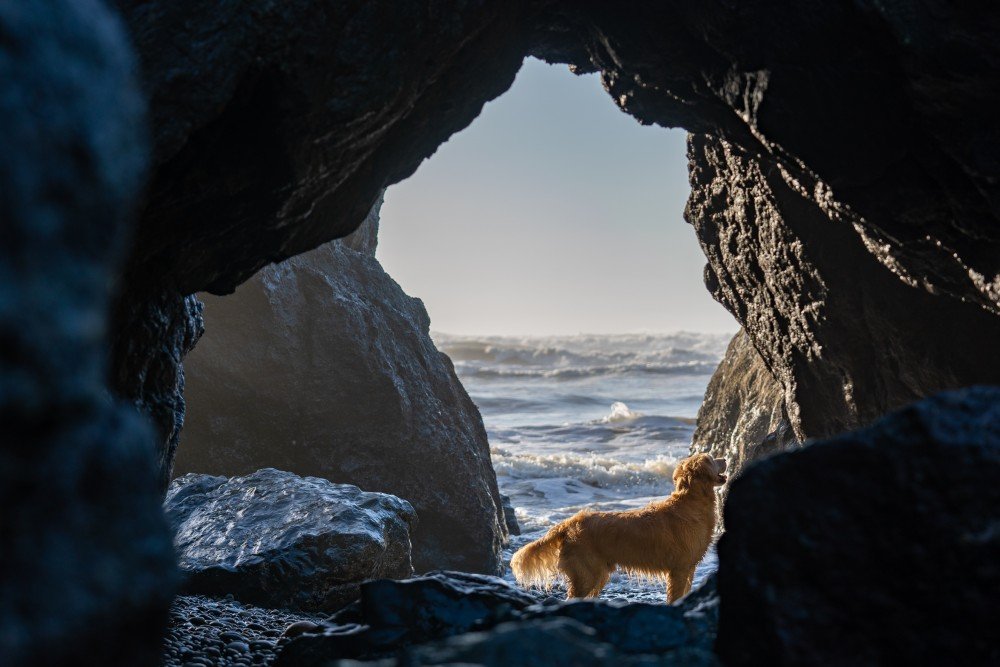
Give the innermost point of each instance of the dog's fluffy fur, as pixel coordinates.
(664, 540)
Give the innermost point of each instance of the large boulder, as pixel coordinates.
(86, 566)
(743, 415)
(885, 550)
(278, 540)
(323, 366)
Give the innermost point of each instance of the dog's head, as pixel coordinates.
(699, 469)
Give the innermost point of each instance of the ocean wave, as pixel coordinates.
(573, 373)
(584, 351)
(651, 476)
(622, 426)
(620, 413)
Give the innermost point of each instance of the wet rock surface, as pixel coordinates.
(450, 617)
(221, 632)
(886, 548)
(278, 540)
(743, 415)
(323, 366)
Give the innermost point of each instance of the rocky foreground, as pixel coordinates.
(446, 617)
(208, 632)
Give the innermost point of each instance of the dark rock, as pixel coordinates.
(275, 539)
(543, 643)
(393, 615)
(845, 338)
(85, 558)
(299, 627)
(323, 366)
(306, 111)
(743, 415)
(885, 549)
(153, 332)
(644, 628)
(509, 515)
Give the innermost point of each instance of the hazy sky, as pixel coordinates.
(553, 213)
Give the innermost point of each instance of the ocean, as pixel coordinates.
(587, 421)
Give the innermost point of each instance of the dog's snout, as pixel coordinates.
(720, 464)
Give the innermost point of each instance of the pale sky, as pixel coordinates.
(553, 213)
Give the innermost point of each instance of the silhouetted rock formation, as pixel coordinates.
(282, 541)
(743, 415)
(415, 619)
(276, 128)
(323, 366)
(86, 566)
(885, 549)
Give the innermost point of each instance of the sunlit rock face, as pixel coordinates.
(846, 340)
(876, 547)
(86, 565)
(282, 541)
(323, 366)
(743, 416)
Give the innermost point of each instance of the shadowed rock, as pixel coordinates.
(743, 415)
(540, 643)
(323, 366)
(278, 540)
(394, 615)
(886, 548)
(86, 567)
(509, 515)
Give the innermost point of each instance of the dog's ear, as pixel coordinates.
(683, 475)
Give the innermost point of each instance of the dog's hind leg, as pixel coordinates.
(580, 578)
(678, 584)
(602, 581)
(581, 583)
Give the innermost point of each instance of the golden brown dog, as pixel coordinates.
(663, 540)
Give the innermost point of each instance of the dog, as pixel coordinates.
(663, 540)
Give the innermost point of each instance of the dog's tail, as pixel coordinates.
(535, 564)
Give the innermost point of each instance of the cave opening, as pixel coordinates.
(548, 244)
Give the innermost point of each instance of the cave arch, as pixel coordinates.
(356, 100)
